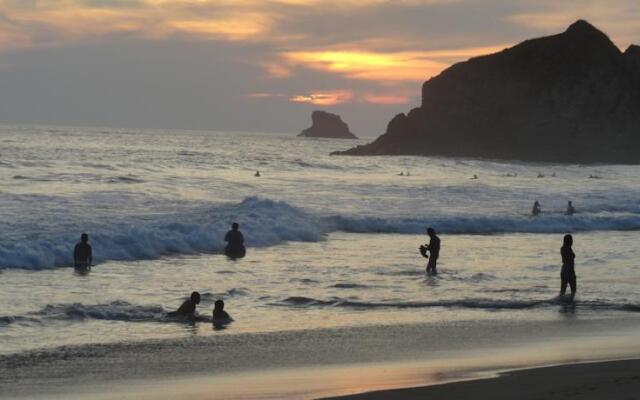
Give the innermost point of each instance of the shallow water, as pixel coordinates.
(333, 240)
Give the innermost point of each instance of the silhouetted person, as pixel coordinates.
(401, 174)
(474, 176)
(570, 209)
(257, 174)
(188, 308)
(568, 273)
(434, 251)
(220, 316)
(536, 209)
(235, 242)
(82, 256)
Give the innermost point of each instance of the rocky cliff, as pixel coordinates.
(571, 97)
(327, 125)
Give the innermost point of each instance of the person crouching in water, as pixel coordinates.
(188, 308)
(434, 251)
(568, 273)
(235, 242)
(82, 256)
(220, 316)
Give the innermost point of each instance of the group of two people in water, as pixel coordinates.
(188, 310)
(537, 210)
(567, 273)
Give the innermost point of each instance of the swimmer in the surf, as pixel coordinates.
(434, 251)
(568, 273)
(570, 209)
(220, 316)
(474, 176)
(188, 308)
(235, 242)
(82, 253)
(536, 209)
(257, 174)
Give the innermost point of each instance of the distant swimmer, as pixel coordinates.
(257, 174)
(570, 209)
(188, 308)
(536, 209)
(540, 175)
(401, 173)
(82, 255)
(434, 251)
(220, 316)
(235, 242)
(474, 176)
(568, 273)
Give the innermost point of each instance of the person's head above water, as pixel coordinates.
(84, 238)
(195, 297)
(431, 231)
(568, 240)
(235, 226)
(218, 305)
(570, 203)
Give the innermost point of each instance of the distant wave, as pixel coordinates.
(264, 222)
(484, 304)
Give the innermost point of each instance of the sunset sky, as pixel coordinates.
(249, 65)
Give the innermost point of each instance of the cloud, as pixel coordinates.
(328, 98)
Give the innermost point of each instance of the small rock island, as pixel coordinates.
(573, 97)
(327, 125)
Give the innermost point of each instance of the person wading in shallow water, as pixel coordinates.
(536, 209)
(188, 308)
(568, 273)
(235, 242)
(82, 256)
(434, 251)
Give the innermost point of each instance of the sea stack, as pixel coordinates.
(327, 125)
(573, 97)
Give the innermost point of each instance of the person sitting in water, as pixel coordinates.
(536, 209)
(434, 251)
(570, 209)
(82, 256)
(568, 272)
(257, 173)
(220, 316)
(474, 176)
(235, 242)
(188, 308)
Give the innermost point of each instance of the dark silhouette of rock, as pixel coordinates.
(327, 125)
(570, 97)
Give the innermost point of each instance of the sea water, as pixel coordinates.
(332, 240)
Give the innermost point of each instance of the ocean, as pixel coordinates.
(332, 241)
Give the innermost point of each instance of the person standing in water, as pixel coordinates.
(536, 209)
(82, 255)
(570, 209)
(235, 242)
(434, 251)
(568, 273)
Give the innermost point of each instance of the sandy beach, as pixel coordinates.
(587, 381)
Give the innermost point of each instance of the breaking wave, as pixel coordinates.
(264, 222)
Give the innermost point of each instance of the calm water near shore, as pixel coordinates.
(332, 240)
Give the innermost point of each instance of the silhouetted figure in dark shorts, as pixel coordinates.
(570, 209)
(568, 273)
(235, 242)
(434, 251)
(188, 308)
(82, 255)
(536, 209)
(220, 316)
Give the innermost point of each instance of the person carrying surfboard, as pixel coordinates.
(434, 251)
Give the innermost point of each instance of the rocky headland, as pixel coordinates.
(573, 97)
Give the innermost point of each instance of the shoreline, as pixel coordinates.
(312, 364)
(586, 380)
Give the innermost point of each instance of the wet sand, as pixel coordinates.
(587, 381)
